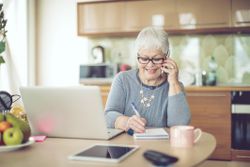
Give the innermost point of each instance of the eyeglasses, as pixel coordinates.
(146, 60)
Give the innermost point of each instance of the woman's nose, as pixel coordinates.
(150, 63)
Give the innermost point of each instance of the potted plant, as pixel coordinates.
(2, 34)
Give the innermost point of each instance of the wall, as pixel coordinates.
(59, 50)
(192, 53)
(13, 73)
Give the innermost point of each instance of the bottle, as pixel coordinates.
(204, 77)
(212, 76)
(198, 78)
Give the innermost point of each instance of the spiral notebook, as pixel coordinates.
(152, 133)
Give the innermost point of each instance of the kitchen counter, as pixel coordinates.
(105, 85)
(217, 88)
(96, 81)
(106, 88)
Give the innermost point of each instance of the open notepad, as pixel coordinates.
(152, 133)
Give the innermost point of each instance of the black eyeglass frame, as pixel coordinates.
(152, 59)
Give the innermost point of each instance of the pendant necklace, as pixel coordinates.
(146, 100)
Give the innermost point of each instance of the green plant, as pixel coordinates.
(3, 32)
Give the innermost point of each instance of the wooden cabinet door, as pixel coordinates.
(139, 13)
(104, 92)
(211, 111)
(100, 17)
(203, 13)
(241, 12)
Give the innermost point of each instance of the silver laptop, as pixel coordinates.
(67, 112)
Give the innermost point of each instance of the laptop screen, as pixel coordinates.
(71, 112)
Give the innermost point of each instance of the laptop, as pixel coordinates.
(66, 112)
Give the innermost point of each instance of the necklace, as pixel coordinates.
(146, 100)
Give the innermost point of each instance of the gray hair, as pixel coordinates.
(152, 38)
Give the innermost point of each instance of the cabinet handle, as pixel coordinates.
(207, 94)
(243, 156)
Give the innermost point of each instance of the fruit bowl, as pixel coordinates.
(16, 147)
(14, 132)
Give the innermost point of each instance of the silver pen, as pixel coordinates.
(135, 110)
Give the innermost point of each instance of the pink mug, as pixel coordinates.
(184, 136)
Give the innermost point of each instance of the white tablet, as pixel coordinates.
(105, 153)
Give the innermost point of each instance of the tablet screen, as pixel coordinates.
(112, 153)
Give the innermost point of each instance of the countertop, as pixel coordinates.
(217, 88)
(105, 88)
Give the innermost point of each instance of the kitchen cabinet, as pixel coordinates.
(211, 111)
(104, 92)
(241, 13)
(139, 14)
(203, 14)
(240, 155)
(179, 14)
(94, 18)
(125, 18)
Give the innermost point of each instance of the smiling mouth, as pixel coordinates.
(151, 70)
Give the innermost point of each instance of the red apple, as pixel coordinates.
(4, 125)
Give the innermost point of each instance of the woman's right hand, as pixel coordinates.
(136, 123)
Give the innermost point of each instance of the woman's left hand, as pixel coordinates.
(170, 67)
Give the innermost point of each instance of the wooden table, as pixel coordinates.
(54, 152)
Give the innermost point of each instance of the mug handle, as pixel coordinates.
(199, 131)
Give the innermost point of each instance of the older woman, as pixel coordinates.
(153, 88)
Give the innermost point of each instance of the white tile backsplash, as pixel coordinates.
(192, 53)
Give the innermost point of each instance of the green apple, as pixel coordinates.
(16, 122)
(13, 136)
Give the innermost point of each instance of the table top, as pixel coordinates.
(55, 152)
